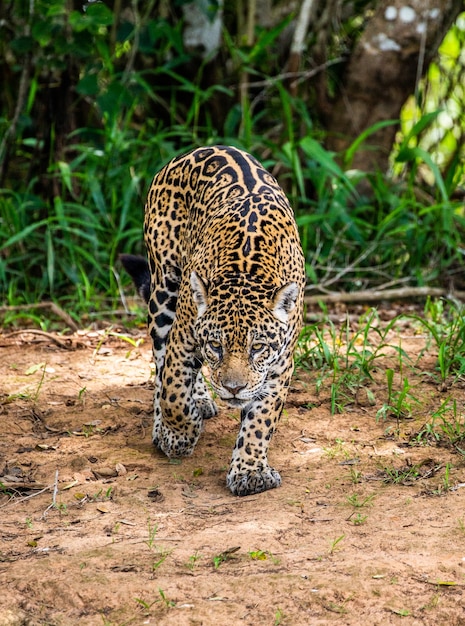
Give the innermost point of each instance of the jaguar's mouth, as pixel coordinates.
(235, 402)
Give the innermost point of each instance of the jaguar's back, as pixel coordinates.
(221, 202)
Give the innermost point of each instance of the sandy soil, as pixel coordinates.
(97, 527)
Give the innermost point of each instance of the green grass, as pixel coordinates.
(66, 213)
(66, 248)
(346, 356)
(403, 385)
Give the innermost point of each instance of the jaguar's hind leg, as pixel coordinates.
(161, 315)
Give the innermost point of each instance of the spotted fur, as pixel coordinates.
(224, 285)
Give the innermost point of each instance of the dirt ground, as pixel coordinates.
(97, 527)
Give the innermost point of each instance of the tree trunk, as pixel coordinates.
(391, 56)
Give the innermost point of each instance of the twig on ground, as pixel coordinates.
(54, 497)
(54, 308)
(375, 295)
(15, 500)
(35, 331)
(350, 267)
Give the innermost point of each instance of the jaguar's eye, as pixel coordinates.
(215, 346)
(257, 346)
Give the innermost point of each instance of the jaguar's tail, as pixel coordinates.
(138, 269)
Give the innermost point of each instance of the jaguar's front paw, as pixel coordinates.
(252, 481)
(175, 444)
(206, 408)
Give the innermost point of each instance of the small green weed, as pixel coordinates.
(226, 555)
(356, 475)
(447, 330)
(263, 555)
(147, 606)
(401, 612)
(409, 474)
(446, 426)
(354, 501)
(102, 496)
(445, 486)
(82, 394)
(165, 600)
(152, 531)
(334, 544)
(402, 476)
(399, 403)
(258, 555)
(446, 482)
(144, 604)
(339, 448)
(162, 555)
(359, 519)
(34, 395)
(193, 560)
(279, 616)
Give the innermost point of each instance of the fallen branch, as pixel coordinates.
(41, 333)
(374, 295)
(54, 308)
(15, 499)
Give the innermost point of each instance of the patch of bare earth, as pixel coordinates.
(97, 527)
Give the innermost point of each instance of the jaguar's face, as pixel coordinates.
(239, 350)
(241, 339)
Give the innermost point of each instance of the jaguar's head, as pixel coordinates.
(242, 335)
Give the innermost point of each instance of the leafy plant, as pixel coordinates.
(162, 555)
(354, 501)
(346, 356)
(399, 402)
(224, 556)
(359, 519)
(163, 598)
(263, 555)
(446, 426)
(279, 616)
(193, 560)
(152, 532)
(447, 330)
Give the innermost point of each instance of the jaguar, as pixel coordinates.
(224, 283)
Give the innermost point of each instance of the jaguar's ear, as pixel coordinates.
(284, 301)
(199, 293)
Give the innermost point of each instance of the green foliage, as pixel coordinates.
(439, 98)
(399, 403)
(446, 327)
(445, 427)
(106, 101)
(358, 239)
(347, 356)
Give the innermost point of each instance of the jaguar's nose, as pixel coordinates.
(234, 388)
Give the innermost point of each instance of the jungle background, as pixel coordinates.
(357, 107)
